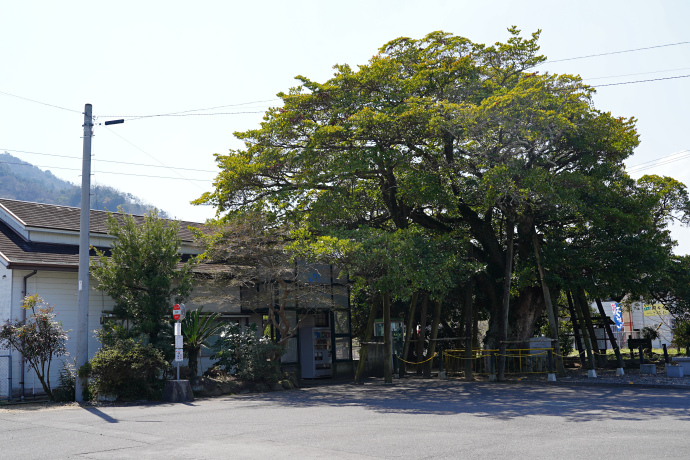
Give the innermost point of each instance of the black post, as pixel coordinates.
(666, 360)
(641, 356)
(492, 364)
(441, 364)
(632, 353)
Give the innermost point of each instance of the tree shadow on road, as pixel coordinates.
(501, 401)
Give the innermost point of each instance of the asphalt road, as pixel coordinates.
(410, 419)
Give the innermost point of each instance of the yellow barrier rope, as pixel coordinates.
(421, 362)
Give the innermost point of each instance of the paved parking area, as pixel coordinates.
(409, 419)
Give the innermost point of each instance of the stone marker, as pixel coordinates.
(178, 391)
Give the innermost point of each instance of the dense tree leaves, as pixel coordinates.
(143, 273)
(442, 139)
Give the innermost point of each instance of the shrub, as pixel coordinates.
(251, 358)
(67, 387)
(128, 370)
(39, 339)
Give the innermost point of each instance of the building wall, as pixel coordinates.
(660, 322)
(57, 289)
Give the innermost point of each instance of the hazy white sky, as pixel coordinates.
(131, 58)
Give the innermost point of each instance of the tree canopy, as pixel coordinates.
(440, 139)
(143, 272)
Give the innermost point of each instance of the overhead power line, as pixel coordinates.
(98, 160)
(105, 172)
(39, 102)
(672, 158)
(641, 81)
(614, 52)
(154, 158)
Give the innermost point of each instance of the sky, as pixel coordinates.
(136, 58)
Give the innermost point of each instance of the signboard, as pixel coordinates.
(178, 328)
(177, 312)
(656, 309)
(178, 355)
(178, 341)
(617, 315)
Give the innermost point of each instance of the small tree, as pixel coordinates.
(197, 328)
(143, 274)
(255, 255)
(38, 338)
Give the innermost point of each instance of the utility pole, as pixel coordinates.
(84, 228)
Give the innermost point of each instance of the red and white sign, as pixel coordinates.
(177, 312)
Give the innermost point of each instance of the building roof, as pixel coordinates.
(56, 217)
(16, 252)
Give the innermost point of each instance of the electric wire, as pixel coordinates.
(192, 110)
(39, 102)
(154, 158)
(641, 81)
(93, 173)
(96, 159)
(614, 52)
(635, 74)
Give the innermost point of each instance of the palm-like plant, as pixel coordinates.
(197, 328)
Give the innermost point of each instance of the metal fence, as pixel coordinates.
(5, 377)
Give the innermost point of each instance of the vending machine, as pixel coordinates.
(315, 352)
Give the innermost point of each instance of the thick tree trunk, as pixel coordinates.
(387, 339)
(364, 348)
(434, 335)
(419, 348)
(527, 309)
(505, 305)
(553, 318)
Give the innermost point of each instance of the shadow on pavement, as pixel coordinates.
(501, 401)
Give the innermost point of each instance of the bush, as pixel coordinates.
(251, 358)
(67, 387)
(127, 369)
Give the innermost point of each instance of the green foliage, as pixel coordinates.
(251, 358)
(197, 328)
(68, 377)
(681, 334)
(39, 339)
(395, 168)
(142, 273)
(127, 369)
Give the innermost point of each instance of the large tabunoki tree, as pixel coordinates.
(440, 134)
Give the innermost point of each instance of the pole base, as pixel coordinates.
(592, 374)
(551, 378)
(492, 377)
(442, 375)
(620, 371)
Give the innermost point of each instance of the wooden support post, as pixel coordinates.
(609, 332)
(576, 330)
(434, 335)
(419, 348)
(408, 332)
(376, 301)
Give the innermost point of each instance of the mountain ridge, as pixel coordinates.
(20, 180)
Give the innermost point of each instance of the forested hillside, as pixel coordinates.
(20, 180)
